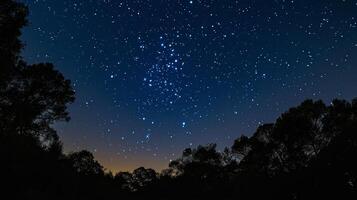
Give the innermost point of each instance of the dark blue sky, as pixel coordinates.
(153, 77)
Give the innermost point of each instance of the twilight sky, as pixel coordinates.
(153, 77)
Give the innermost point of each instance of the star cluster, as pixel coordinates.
(155, 76)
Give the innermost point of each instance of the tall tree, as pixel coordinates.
(12, 19)
(32, 97)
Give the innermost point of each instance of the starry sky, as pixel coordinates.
(153, 77)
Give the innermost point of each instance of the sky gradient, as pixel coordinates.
(153, 77)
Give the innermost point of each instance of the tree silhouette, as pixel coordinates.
(12, 19)
(32, 97)
(197, 162)
(124, 180)
(83, 162)
(296, 153)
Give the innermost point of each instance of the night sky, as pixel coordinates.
(153, 77)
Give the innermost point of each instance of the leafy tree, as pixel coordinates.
(197, 161)
(32, 97)
(334, 171)
(12, 19)
(241, 147)
(124, 180)
(85, 164)
(289, 144)
(144, 177)
(308, 151)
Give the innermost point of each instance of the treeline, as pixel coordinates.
(310, 151)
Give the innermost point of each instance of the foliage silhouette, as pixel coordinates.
(83, 162)
(12, 19)
(308, 153)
